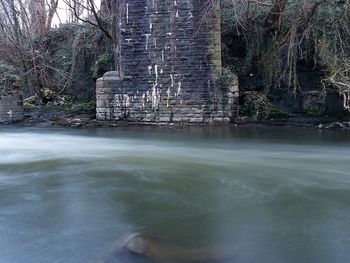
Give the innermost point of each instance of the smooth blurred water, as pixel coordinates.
(266, 195)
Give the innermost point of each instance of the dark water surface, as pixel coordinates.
(266, 195)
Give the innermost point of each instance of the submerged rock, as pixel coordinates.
(336, 125)
(11, 101)
(138, 243)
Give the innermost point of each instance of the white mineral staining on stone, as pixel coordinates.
(117, 101)
(10, 113)
(172, 80)
(148, 96)
(126, 101)
(168, 98)
(155, 90)
(156, 72)
(178, 92)
(163, 55)
(127, 13)
(150, 70)
(143, 100)
(155, 97)
(147, 38)
(122, 101)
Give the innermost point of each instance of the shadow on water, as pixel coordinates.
(160, 250)
(129, 257)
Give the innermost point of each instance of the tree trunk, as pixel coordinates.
(37, 9)
(107, 7)
(52, 11)
(274, 19)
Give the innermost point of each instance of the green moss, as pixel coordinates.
(276, 112)
(81, 53)
(228, 76)
(259, 108)
(314, 113)
(88, 108)
(7, 74)
(7, 77)
(104, 63)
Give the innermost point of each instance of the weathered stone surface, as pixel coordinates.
(170, 63)
(314, 101)
(11, 104)
(327, 102)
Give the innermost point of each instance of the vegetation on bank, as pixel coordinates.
(7, 75)
(291, 57)
(284, 50)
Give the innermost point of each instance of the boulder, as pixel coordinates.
(160, 250)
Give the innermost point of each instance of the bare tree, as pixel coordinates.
(24, 24)
(76, 7)
(52, 10)
(107, 18)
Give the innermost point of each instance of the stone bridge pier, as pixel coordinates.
(170, 64)
(11, 103)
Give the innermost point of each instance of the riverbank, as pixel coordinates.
(59, 116)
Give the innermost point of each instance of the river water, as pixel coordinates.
(257, 195)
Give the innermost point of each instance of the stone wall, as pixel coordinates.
(11, 104)
(170, 64)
